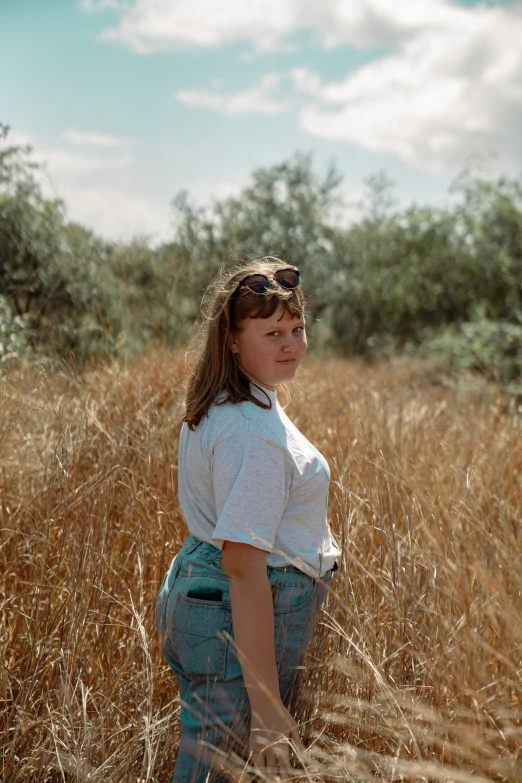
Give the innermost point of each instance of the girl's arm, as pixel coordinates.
(253, 620)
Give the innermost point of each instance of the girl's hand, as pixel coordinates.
(271, 727)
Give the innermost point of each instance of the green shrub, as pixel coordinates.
(13, 333)
(493, 348)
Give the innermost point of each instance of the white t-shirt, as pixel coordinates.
(248, 474)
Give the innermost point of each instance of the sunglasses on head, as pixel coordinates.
(287, 278)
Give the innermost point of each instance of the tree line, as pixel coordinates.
(420, 280)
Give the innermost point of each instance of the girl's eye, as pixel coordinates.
(300, 328)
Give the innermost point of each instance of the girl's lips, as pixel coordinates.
(287, 361)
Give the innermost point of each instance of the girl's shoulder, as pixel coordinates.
(225, 420)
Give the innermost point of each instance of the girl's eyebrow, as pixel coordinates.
(278, 328)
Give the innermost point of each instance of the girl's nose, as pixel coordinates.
(290, 344)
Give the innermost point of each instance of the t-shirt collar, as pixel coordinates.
(260, 392)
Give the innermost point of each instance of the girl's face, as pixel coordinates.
(269, 350)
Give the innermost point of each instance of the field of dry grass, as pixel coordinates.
(415, 672)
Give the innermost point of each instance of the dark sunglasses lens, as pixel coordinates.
(257, 283)
(288, 278)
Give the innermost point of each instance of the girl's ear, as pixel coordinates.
(233, 343)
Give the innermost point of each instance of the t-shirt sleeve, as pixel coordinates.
(248, 474)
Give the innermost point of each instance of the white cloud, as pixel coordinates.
(102, 203)
(256, 100)
(100, 140)
(307, 82)
(103, 5)
(447, 93)
(158, 25)
(60, 160)
(116, 214)
(453, 89)
(203, 191)
(363, 23)
(66, 161)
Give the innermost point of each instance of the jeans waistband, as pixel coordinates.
(212, 554)
(207, 551)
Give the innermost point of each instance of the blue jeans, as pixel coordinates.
(194, 623)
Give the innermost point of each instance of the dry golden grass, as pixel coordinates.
(416, 671)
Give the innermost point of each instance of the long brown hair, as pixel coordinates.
(224, 306)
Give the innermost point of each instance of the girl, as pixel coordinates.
(237, 607)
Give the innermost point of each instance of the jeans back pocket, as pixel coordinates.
(291, 596)
(197, 636)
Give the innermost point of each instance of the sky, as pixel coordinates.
(130, 101)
